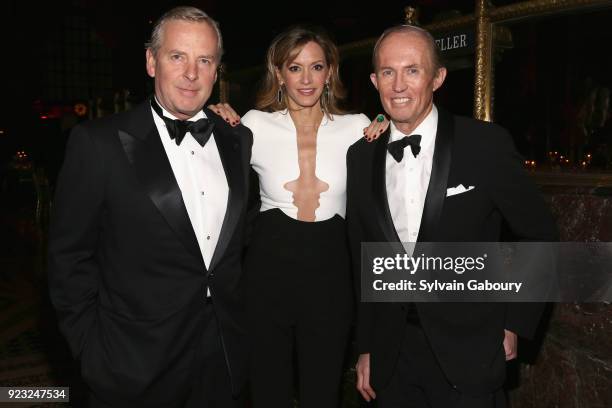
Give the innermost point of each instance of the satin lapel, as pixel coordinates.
(438, 181)
(379, 188)
(145, 152)
(228, 144)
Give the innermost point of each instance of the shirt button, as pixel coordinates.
(413, 234)
(208, 237)
(192, 152)
(410, 169)
(201, 192)
(411, 201)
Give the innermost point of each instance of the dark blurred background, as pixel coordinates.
(74, 60)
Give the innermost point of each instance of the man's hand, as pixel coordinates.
(510, 345)
(363, 377)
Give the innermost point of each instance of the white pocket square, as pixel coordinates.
(458, 190)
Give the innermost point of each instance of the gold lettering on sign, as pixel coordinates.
(307, 188)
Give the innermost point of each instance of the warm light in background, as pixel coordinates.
(80, 109)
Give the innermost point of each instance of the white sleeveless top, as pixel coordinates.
(275, 159)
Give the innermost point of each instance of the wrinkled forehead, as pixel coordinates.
(405, 45)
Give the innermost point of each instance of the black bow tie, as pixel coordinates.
(397, 148)
(200, 129)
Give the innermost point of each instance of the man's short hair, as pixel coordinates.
(184, 13)
(434, 51)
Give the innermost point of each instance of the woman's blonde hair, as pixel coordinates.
(283, 50)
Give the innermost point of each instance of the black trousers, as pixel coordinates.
(211, 387)
(299, 304)
(418, 380)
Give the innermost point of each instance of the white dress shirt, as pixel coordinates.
(201, 178)
(275, 159)
(407, 181)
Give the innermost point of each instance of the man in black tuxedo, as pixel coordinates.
(147, 236)
(436, 177)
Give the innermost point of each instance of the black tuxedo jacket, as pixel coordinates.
(467, 338)
(126, 274)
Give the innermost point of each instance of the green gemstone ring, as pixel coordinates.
(380, 118)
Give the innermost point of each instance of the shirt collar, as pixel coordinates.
(167, 114)
(427, 129)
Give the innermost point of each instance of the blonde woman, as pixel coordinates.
(298, 279)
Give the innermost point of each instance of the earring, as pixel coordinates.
(279, 95)
(326, 96)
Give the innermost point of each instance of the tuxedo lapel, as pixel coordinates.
(228, 144)
(145, 151)
(379, 188)
(436, 190)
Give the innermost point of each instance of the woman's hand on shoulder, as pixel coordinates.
(376, 128)
(226, 112)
